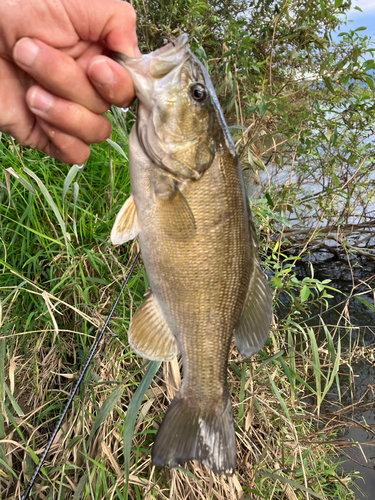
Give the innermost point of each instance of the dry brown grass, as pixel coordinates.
(266, 440)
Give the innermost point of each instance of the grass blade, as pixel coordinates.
(75, 198)
(15, 405)
(4, 464)
(335, 359)
(41, 236)
(106, 409)
(316, 368)
(276, 392)
(117, 148)
(132, 413)
(10, 171)
(294, 485)
(365, 303)
(50, 202)
(292, 364)
(14, 291)
(241, 406)
(2, 397)
(70, 178)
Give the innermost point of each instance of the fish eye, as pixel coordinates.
(198, 92)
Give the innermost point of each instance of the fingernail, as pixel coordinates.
(25, 51)
(40, 100)
(101, 72)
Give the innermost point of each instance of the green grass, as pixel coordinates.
(59, 279)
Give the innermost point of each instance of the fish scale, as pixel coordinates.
(188, 207)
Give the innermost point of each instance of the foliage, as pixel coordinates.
(296, 101)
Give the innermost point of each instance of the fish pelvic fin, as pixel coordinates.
(149, 335)
(190, 433)
(252, 329)
(125, 227)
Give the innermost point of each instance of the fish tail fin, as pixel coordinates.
(189, 432)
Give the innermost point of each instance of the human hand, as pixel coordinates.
(55, 82)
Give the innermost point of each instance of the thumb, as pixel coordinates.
(111, 21)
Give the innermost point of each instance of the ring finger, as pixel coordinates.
(69, 117)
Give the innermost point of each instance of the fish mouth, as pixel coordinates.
(172, 47)
(159, 69)
(167, 53)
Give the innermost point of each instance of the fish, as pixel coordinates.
(199, 246)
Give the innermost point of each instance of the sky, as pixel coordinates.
(365, 18)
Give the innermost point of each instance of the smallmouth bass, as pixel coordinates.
(189, 209)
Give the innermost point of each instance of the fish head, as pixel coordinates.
(179, 125)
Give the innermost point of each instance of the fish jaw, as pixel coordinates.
(173, 129)
(156, 72)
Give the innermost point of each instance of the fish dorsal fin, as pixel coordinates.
(252, 329)
(149, 335)
(176, 219)
(125, 227)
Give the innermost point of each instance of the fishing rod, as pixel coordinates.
(78, 383)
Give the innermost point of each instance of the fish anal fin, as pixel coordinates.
(125, 227)
(252, 329)
(190, 433)
(149, 335)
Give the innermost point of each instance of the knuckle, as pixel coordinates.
(104, 130)
(129, 12)
(34, 138)
(66, 143)
(75, 114)
(73, 153)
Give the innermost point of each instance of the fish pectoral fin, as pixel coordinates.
(125, 227)
(252, 329)
(149, 335)
(176, 219)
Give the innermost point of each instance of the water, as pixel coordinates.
(356, 226)
(361, 392)
(357, 383)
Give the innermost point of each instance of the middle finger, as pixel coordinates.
(57, 72)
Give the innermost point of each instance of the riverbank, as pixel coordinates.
(353, 318)
(60, 277)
